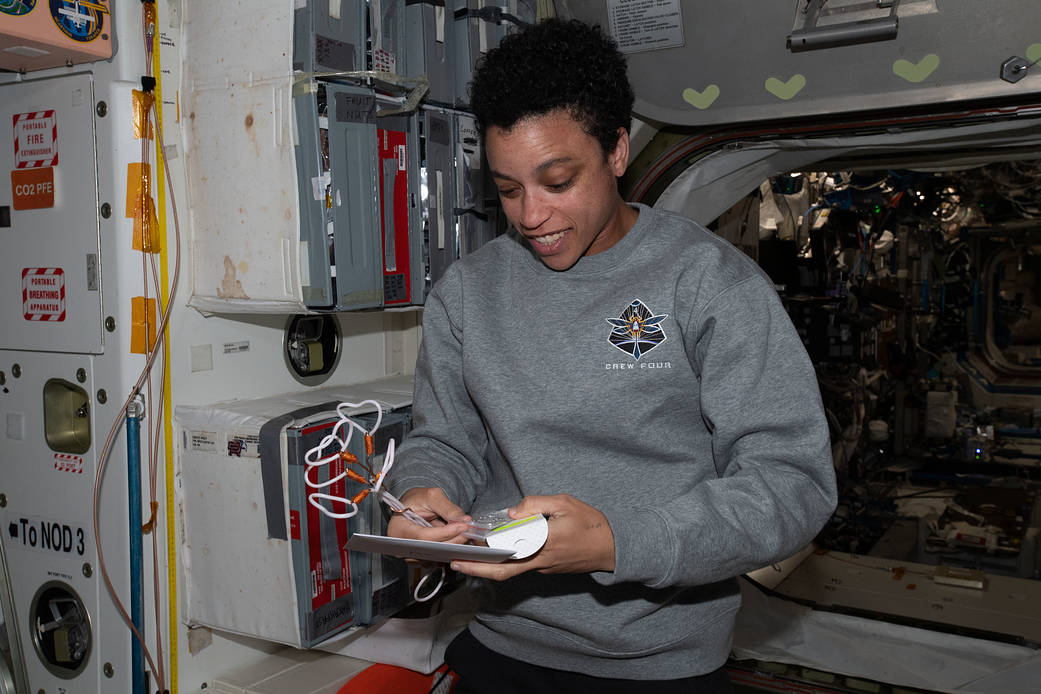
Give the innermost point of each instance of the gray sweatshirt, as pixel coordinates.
(660, 381)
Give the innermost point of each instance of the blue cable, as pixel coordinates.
(137, 610)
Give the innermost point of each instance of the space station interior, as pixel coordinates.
(909, 269)
(915, 292)
(236, 231)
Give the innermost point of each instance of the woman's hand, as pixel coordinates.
(580, 541)
(446, 519)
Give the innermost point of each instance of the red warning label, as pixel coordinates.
(35, 139)
(64, 462)
(43, 293)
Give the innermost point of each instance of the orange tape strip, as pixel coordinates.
(141, 207)
(142, 324)
(142, 107)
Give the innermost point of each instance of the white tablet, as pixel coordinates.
(426, 550)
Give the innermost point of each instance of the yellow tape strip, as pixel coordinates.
(168, 442)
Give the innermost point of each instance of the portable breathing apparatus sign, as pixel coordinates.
(43, 294)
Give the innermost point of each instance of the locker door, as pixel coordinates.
(50, 275)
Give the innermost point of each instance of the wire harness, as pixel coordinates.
(334, 447)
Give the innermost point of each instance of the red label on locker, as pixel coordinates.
(393, 176)
(294, 525)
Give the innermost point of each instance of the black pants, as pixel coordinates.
(483, 671)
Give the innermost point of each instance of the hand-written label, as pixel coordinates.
(439, 131)
(355, 108)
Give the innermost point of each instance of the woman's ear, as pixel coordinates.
(618, 158)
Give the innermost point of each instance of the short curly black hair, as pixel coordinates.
(555, 64)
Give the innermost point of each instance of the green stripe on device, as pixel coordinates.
(514, 524)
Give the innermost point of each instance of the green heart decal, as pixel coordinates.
(786, 90)
(1034, 53)
(916, 72)
(703, 99)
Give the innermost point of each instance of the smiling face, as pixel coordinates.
(558, 189)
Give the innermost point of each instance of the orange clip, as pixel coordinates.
(150, 525)
(355, 477)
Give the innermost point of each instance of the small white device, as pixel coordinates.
(524, 536)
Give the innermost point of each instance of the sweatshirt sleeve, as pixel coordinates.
(775, 483)
(447, 444)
